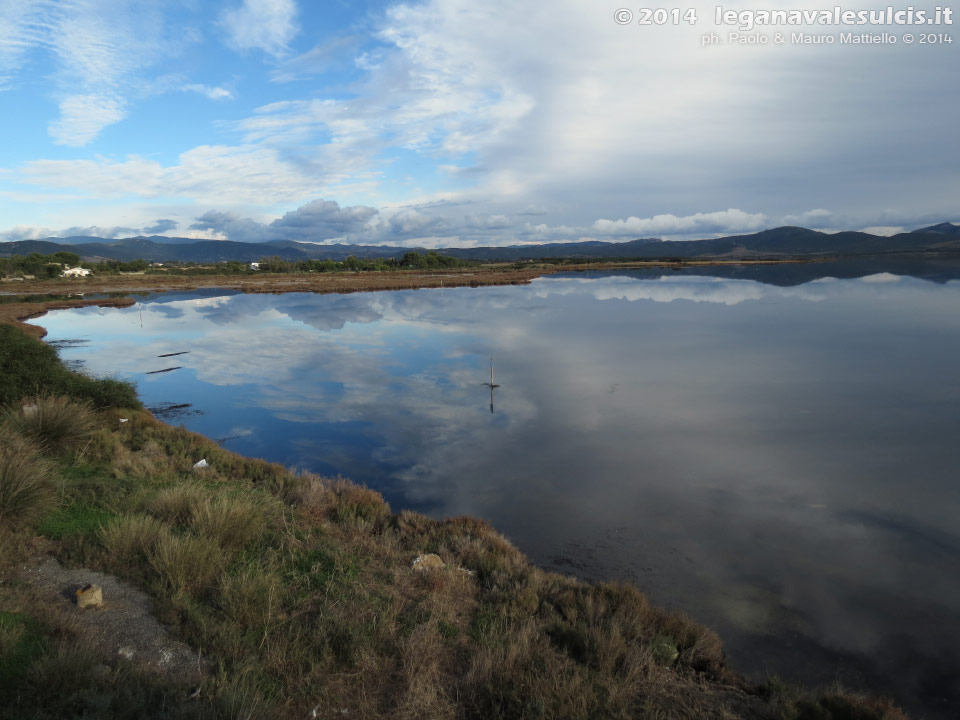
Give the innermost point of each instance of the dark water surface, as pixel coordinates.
(775, 454)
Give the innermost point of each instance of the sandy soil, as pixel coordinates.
(123, 627)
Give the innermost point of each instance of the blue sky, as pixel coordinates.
(447, 122)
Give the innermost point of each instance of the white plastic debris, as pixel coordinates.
(123, 420)
(200, 465)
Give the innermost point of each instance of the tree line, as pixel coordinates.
(410, 260)
(51, 266)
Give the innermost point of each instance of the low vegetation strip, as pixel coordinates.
(299, 591)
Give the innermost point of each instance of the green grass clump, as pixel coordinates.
(26, 490)
(74, 521)
(20, 643)
(55, 424)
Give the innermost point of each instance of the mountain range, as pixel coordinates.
(781, 242)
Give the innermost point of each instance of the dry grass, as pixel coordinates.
(251, 597)
(341, 501)
(187, 564)
(176, 504)
(128, 540)
(26, 490)
(56, 424)
(228, 520)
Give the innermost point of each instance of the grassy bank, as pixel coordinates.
(300, 592)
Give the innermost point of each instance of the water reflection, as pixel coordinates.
(776, 459)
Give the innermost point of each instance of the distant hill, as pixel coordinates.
(774, 243)
(942, 229)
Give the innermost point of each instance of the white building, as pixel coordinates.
(76, 272)
(254, 266)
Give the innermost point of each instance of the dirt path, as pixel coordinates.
(123, 627)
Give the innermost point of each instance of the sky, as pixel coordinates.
(455, 123)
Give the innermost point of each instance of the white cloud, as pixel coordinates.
(209, 174)
(100, 50)
(884, 230)
(817, 219)
(724, 221)
(82, 117)
(16, 36)
(214, 93)
(268, 25)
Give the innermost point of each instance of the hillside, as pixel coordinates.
(774, 243)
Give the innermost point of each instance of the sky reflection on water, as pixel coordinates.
(778, 461)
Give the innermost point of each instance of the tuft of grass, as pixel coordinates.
(341, 501)
(186, 563)
(77, 521)
(20, 643)
(251, 597)
(353, 503)
(229, 520)
(128, 539)
(56, 424)
(176, 504)
(26, 490)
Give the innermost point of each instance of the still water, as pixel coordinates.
(774, 451)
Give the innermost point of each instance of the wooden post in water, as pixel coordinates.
(491, 384)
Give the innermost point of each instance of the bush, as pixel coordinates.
(29, 367)
(55, 424)
(26, 490)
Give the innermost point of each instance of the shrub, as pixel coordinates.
(56, 424)
(25, 487)
(354, 502)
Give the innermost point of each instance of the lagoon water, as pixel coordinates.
(774, 451)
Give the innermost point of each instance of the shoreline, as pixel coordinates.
(719, 684)
(499, 274)
(19, 313)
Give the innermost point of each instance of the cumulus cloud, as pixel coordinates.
(316, 221)
(497, 95)
(323, 219)
(232, 227)
(816, 219)
(162, 225)
(108, 232)
(268, 25)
